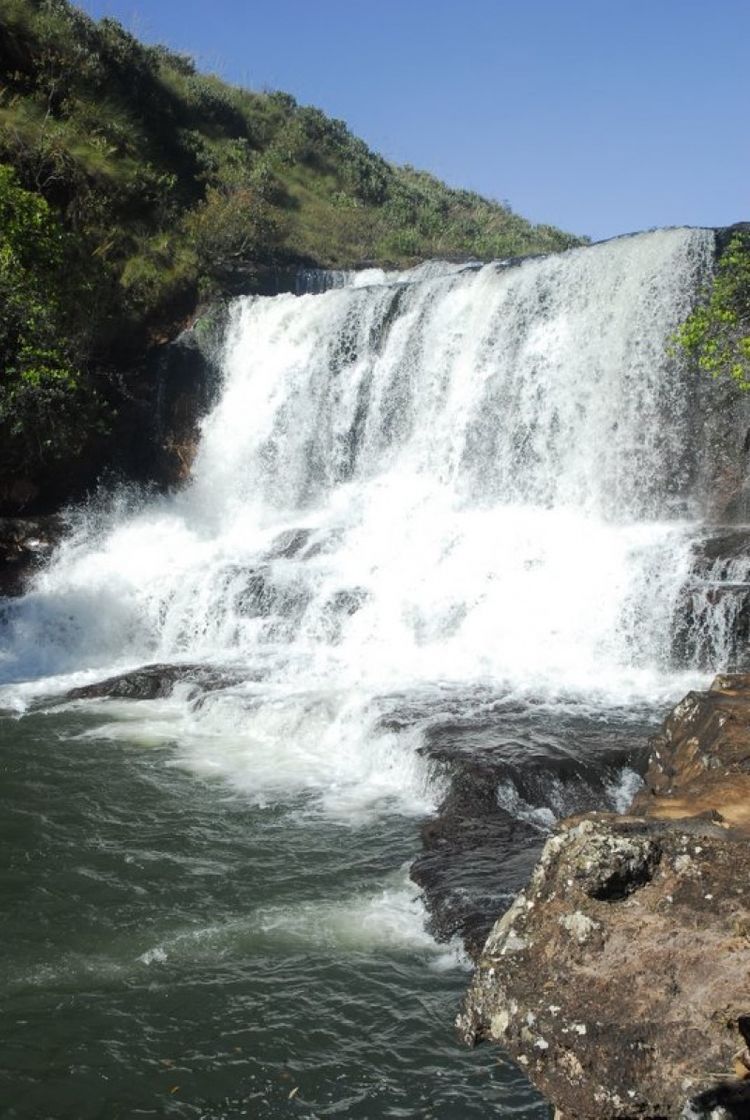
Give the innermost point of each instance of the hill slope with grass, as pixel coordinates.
(133, 188)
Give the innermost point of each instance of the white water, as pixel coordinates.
(440, 481)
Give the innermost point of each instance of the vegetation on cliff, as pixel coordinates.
(717, 333)
(132, 187)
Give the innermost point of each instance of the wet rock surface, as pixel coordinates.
(507, 780)
(619, 979)
(153, 682)
(25, 545)
(711, 622)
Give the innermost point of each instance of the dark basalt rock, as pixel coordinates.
(505, 787)
(25, 545)
(181, 379)
(712, 616)
(618, 979)
(152, 682)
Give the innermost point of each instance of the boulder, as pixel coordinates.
(619, 979)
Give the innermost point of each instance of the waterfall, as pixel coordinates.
(450, 478)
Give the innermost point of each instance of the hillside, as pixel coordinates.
(133, 188)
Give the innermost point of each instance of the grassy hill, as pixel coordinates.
(133, 187)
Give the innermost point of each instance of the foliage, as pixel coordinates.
(39, 406)
(230, 230)
(717, 333)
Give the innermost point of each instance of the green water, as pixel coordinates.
(170, 948)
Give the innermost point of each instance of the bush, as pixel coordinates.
(231, 230)
(42, 391)
(717, 333)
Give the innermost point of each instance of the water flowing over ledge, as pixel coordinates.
(460, 475)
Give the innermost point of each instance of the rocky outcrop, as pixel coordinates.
(619, 979)
(168, 399)
(700, 760)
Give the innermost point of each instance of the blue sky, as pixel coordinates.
(599, 116)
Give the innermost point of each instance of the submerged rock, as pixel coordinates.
(619, 979)
(152, 682)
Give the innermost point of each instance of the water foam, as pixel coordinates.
(390, 919)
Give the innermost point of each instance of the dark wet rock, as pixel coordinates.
(506, 784)
(25, 545)
(262, 595)
(712, 616)
(152, 682)
(618, 978)
(730, 1101)
(181, 382)
(475, 857)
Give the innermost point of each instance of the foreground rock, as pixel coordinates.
(620, 977)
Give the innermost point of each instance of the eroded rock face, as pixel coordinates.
(620, 977)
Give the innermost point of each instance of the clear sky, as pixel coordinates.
(599, 116)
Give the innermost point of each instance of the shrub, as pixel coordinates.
(230, 230)
(717, 333)
(41, 402)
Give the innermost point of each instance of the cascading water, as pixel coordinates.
(476, 474)
(419, 496)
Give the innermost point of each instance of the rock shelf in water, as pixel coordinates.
(619, 978)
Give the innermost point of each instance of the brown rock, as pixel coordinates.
(619, 979)
(700, 760)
